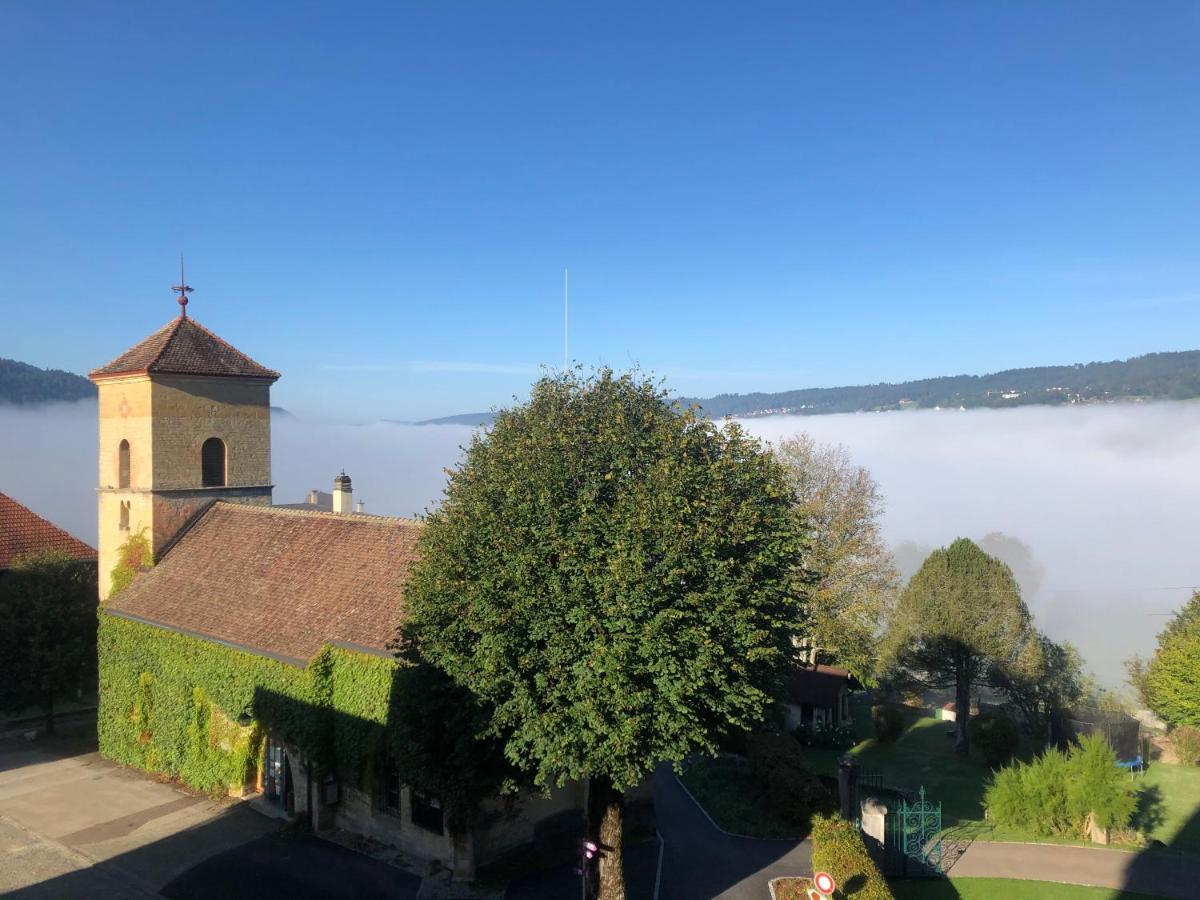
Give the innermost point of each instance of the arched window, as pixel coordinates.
(124, 523)
(123, 464)
(212, 463)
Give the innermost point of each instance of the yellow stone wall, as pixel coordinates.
(166, 419)
(189, 410)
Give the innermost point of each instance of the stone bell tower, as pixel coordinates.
(185, 418)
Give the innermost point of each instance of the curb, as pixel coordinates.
(662, 851)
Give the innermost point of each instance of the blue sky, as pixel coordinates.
(379, 200)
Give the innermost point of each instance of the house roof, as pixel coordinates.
(184, 347)
(280, 582)
(818, 685)
(23, 531)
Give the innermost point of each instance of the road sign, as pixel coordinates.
(824, 883)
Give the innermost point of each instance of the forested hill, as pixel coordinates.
(1155, 376)
(24, 384)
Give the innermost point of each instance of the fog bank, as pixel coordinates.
(1101, 498)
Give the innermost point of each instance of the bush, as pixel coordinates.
(1186, 742)
(838, 849)
(996, 737)
(768, 751)
(1055, 794)
(888, 722)
(1033, 795)
(1098, 786)
(818, 734)
(794, 793)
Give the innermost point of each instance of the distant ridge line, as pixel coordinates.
(1171, 375)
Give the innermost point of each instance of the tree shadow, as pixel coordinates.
(1170, 869)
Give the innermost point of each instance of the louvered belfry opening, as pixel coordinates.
(212, 463)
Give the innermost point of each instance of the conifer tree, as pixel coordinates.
(958, 619)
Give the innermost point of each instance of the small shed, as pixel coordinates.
(819, 695)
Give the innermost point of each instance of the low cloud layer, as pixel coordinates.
(1101, 498)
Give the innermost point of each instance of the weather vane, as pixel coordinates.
(182, 290)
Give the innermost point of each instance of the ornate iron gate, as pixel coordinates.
(917, 834)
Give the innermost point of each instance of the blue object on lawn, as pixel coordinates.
(1133, 765)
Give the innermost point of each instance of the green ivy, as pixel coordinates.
(198, 710)
(134, 556)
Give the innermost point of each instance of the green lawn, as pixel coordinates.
(1002, 889)
(924, 756)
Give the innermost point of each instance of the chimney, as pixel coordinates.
(358, 507)
(342, 494)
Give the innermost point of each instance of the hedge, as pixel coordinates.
(198, 710)
(888, 722)
(838, 849)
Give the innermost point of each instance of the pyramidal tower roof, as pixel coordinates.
(184, 347)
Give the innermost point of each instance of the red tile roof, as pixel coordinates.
(23, 531)
(185, 347)
(279, 581)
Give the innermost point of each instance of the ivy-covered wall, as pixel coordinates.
(171, 703)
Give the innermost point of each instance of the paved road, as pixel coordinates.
(703, 862)
(73, 825)
(278, 867)
(1156, 873)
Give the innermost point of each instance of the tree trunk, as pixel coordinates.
(962, 710)
(605, 827)
(48, 712)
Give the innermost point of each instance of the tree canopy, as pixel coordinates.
(855, 582)
(1050, 678)
(47, 631)
(1170, 682)
(959, 619)
(614, 578)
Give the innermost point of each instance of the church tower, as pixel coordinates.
(185, 419)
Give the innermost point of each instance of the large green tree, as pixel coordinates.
(615, 579)
(1170, 682)
(856, 582)
(959, 619)
(1048, 679)
(47, 632)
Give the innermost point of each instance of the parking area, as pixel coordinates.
(73, 825)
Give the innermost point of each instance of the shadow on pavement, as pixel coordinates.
(1166, 870)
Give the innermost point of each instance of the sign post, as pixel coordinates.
(823, 886)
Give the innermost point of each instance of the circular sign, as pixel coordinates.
(824, 882)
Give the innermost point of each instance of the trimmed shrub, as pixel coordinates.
(996, 737)
(888, 722)
(1055, 794)
(838, 849)
(1185, 740)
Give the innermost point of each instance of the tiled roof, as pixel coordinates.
(185, 347)
(279, 581)
(24, 531)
